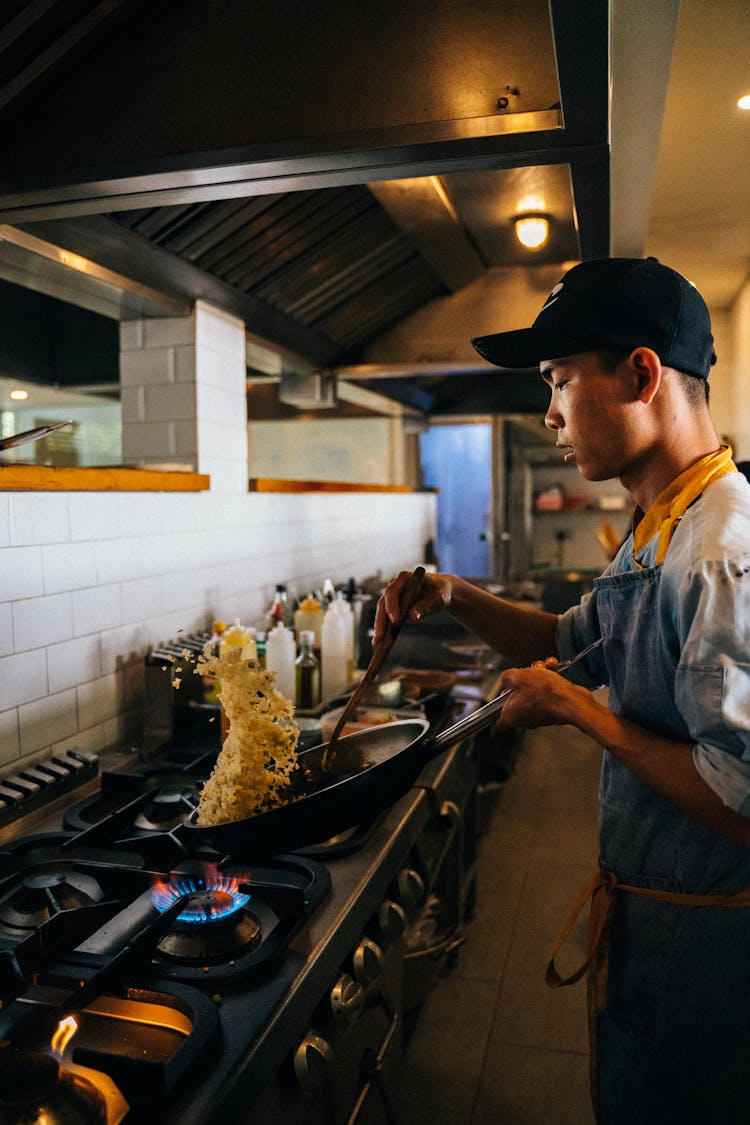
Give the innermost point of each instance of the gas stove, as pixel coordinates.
(144, 978)
(125, 956)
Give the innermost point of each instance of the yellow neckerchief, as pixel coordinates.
(670, 506)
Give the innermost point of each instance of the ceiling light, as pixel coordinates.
(19, 395)
(532, 231)
(744, 101)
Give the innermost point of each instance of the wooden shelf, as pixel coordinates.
(47, 478)
(271, 484)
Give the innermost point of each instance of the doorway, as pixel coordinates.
(456, 459)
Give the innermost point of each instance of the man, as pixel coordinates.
(625, 347)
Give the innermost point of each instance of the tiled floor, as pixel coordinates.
(493, 1044)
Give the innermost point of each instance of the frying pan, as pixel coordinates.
(370, 770)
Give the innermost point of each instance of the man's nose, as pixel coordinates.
(552, 419)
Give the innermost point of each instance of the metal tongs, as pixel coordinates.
(32, 435)
(477, 720)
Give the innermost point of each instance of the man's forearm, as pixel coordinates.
(664, 765)
(518, 633)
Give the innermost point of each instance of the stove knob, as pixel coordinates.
(411, 888)
(391, 919)
(347, 998)
(367, 960)
(313, 1061)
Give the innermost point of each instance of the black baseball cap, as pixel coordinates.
(620, 303)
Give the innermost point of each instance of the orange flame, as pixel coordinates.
(64, 1032)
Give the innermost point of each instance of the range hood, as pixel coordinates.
(324, 178)
(308, 392)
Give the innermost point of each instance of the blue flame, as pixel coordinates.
(205, 908)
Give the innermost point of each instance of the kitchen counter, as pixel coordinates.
(358, 885)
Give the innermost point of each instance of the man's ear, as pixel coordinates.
(646, 366)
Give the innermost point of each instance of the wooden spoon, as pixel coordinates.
(383, 647)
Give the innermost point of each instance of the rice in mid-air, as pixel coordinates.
(260, 751)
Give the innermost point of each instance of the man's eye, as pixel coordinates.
(559, 386)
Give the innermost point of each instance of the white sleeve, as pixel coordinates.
(729, 777)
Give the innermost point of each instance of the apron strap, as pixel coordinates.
(601, 889)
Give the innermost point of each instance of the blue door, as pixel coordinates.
(457, 460)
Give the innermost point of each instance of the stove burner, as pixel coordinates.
(34, 1089)
(210, 900)
(167, 808)
(42, 894)
(213, 926)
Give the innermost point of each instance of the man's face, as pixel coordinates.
(593, 413)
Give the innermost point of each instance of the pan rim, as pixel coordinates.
(189, 824)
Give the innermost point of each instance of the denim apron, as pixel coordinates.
(673, 1041)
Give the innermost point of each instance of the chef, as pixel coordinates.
(625, 347)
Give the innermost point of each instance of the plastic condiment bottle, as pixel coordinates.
(342, 606)
(335, 651)
(281, 654)
(237, 634)
(309, 616)
(307, 694)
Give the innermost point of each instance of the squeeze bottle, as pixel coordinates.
(309, 616)
(281, 653)
(334, 652)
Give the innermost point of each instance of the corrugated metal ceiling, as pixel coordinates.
(332, 259)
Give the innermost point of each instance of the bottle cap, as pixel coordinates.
(309, 605)
(307, 637)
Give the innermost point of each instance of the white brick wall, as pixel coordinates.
(184, 394)
(91, 581)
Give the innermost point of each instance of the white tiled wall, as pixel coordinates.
(184, 394)
(90, 581)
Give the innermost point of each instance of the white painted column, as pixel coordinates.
(221, 396)
(184, 394)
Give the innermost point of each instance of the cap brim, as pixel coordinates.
(525, 348)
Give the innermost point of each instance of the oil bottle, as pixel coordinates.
(307, 674)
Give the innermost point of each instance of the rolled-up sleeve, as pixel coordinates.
(712, 681)
(716, 705)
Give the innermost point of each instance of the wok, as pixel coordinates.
(369, 771)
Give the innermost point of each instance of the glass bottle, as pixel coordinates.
(307, 674)
(279, 612)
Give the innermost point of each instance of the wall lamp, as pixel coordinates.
(532, 231)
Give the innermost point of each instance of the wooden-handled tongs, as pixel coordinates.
(383, 647)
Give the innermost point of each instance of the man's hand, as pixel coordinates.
(540, 696)
(434, 596)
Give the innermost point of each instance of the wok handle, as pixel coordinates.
(484, 715)
(408, 597)
(470, 724)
